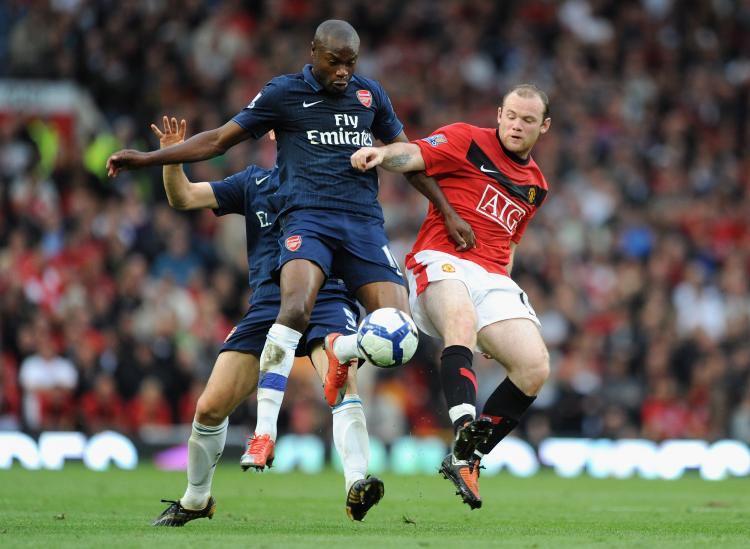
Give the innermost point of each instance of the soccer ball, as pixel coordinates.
(387, 337)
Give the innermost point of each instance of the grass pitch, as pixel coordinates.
(79, 508)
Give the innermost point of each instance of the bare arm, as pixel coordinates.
(396, 157)
(201, 146)
(181, 193)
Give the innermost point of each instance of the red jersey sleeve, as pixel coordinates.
(445, 149)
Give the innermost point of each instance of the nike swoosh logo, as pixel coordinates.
(485, 170)
(305, 104)
(261, 180)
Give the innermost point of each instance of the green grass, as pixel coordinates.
(78, 508)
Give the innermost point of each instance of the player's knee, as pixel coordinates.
(537, 372)
(295, 315)
(209, 412)
(461, 330)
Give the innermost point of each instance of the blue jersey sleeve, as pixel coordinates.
(386, 125)
(261, 115)
(230, 195)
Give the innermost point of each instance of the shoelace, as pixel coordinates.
(173, 502)
(256, 445)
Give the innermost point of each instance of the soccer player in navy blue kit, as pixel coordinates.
(331, 220)
(236, 372)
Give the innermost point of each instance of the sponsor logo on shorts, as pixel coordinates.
(448, 268)
(230, 334)
(365, 97)
(437, 139)
(293, 243)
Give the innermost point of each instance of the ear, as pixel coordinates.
(499, 114)
(545, 125)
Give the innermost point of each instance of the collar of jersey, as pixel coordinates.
(310, 79)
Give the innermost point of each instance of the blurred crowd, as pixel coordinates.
(113, 306)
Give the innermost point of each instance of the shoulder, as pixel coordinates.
(286, 79)
(537, 173)
(464, 128)
(248, 176)
(279, 85)
(451, 134)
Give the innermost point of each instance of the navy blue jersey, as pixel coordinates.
(316, 134)
(248, 193)
(251, 193)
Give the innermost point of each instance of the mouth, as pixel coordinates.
(339, 85)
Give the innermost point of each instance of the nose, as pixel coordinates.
(342, 73)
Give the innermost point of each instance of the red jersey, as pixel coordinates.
(496, 194)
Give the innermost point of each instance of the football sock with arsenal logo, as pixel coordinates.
(459, 384)
(504, 407)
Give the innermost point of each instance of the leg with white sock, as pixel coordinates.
(205, 446)
(352, 443)
(351, 439)
(276, 363)
(233, 379)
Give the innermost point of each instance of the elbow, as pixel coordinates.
(219, 148)
(178, 203)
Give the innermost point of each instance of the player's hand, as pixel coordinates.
(460, 232)
(367, 158)
(126, 159)
(173, 132)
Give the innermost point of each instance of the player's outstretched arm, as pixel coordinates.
(181, 193)
(396, 157)
(459, 230)
(201, 146)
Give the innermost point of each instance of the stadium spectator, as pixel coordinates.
(649, 168)
(48, 381)
(101, 408)
(149, 408)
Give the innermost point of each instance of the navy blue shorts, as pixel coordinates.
(333, 312)
(348, 246)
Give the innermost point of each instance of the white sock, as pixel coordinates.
(351, 439)
(276, 362)
(345, 348)
(461, 410)
(204, 450)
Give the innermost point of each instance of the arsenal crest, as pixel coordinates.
(365, 97)
(293, 243)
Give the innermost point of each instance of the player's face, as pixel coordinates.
(334, 66)
(520, 123)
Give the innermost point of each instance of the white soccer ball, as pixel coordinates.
(387, 337)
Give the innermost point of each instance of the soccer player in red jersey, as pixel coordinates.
(467, 297)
